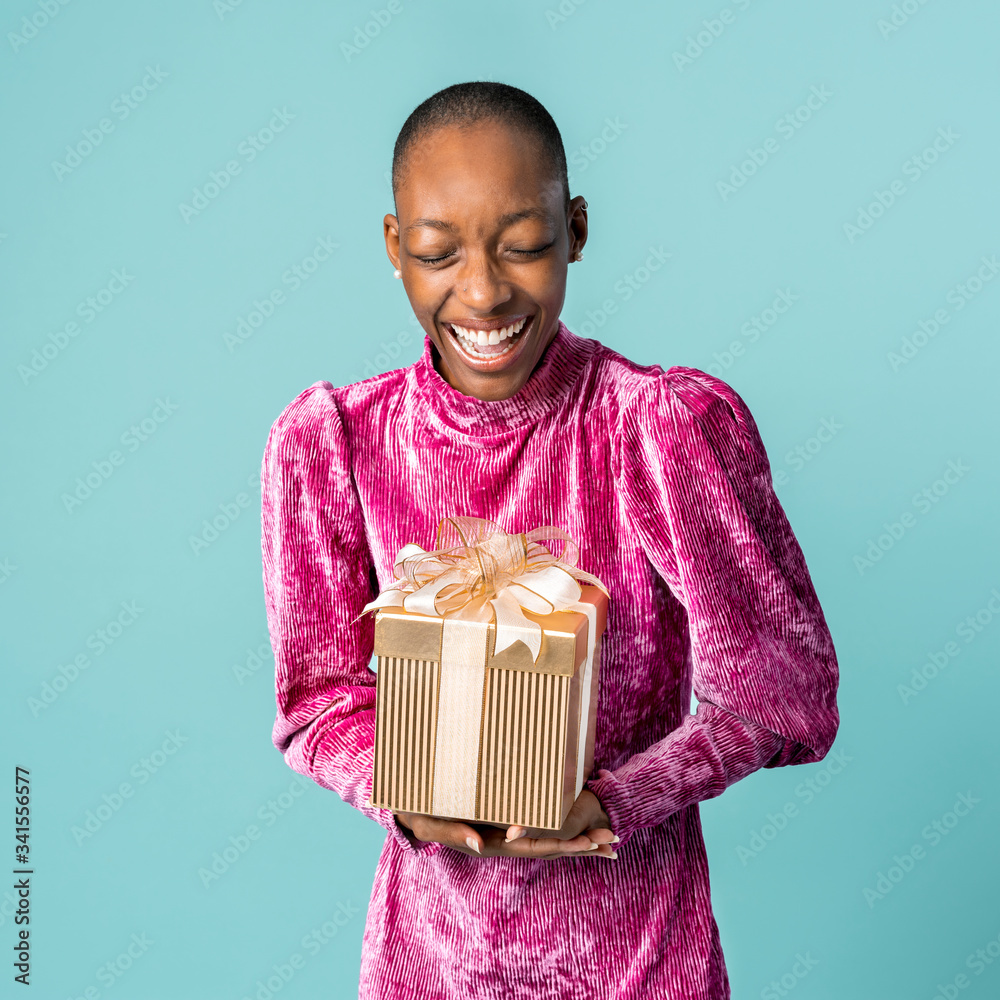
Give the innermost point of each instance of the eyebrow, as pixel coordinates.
(505, 220)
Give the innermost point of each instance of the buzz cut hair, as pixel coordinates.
(464, 105)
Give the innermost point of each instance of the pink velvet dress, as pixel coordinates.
(662, 479)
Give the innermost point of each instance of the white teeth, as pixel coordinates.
(474, 338)
(489, 337)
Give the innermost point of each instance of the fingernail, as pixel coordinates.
(593, 847)
(473, 846)
(613, 854)
(615, 839)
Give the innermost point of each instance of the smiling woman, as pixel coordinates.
(482, 239)
(662, 479)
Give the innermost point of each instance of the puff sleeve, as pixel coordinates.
(318, 575)
(695, 483)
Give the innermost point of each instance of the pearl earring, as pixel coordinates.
(579, 255)
(397, 273)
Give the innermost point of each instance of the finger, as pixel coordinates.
(464, 837)
(602, 835)
(451, 833)
(515, 832)
(536, 847)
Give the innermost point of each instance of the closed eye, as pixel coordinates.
(434, 260)
(533, 253)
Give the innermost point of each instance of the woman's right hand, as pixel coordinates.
(482, 840)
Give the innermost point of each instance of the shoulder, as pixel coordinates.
(321, 420)
(374, 401)
(676, 393)
(679, 409)
(308, 437)
(311, 413)
(710, 401)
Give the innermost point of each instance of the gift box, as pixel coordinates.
(489, 653)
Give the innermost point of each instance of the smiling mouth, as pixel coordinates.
(486, 345)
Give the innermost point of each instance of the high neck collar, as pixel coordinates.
(552, 381)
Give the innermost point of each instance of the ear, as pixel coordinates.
(390, 225)
(576, 225)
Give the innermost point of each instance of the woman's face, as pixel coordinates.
(483, 241)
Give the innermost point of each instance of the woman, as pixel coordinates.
(662, 479)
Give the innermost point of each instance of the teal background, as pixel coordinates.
(681, 130)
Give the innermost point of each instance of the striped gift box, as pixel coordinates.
(464, 734)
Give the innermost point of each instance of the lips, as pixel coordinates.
(473, 341)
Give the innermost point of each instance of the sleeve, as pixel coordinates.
(695, 482)
(318, 575)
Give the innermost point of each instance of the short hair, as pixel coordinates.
(467, 104)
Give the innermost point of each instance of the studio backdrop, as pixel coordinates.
(800, 199)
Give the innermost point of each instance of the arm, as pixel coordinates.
(317, 568)
(695, 482)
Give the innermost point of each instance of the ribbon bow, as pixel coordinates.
(479, 573)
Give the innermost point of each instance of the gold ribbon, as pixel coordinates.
(477, 572)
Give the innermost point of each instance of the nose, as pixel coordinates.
(480, 283)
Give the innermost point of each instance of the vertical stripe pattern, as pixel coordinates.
(406, 704)
(524, 731)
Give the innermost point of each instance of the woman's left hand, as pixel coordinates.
(586, 817)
